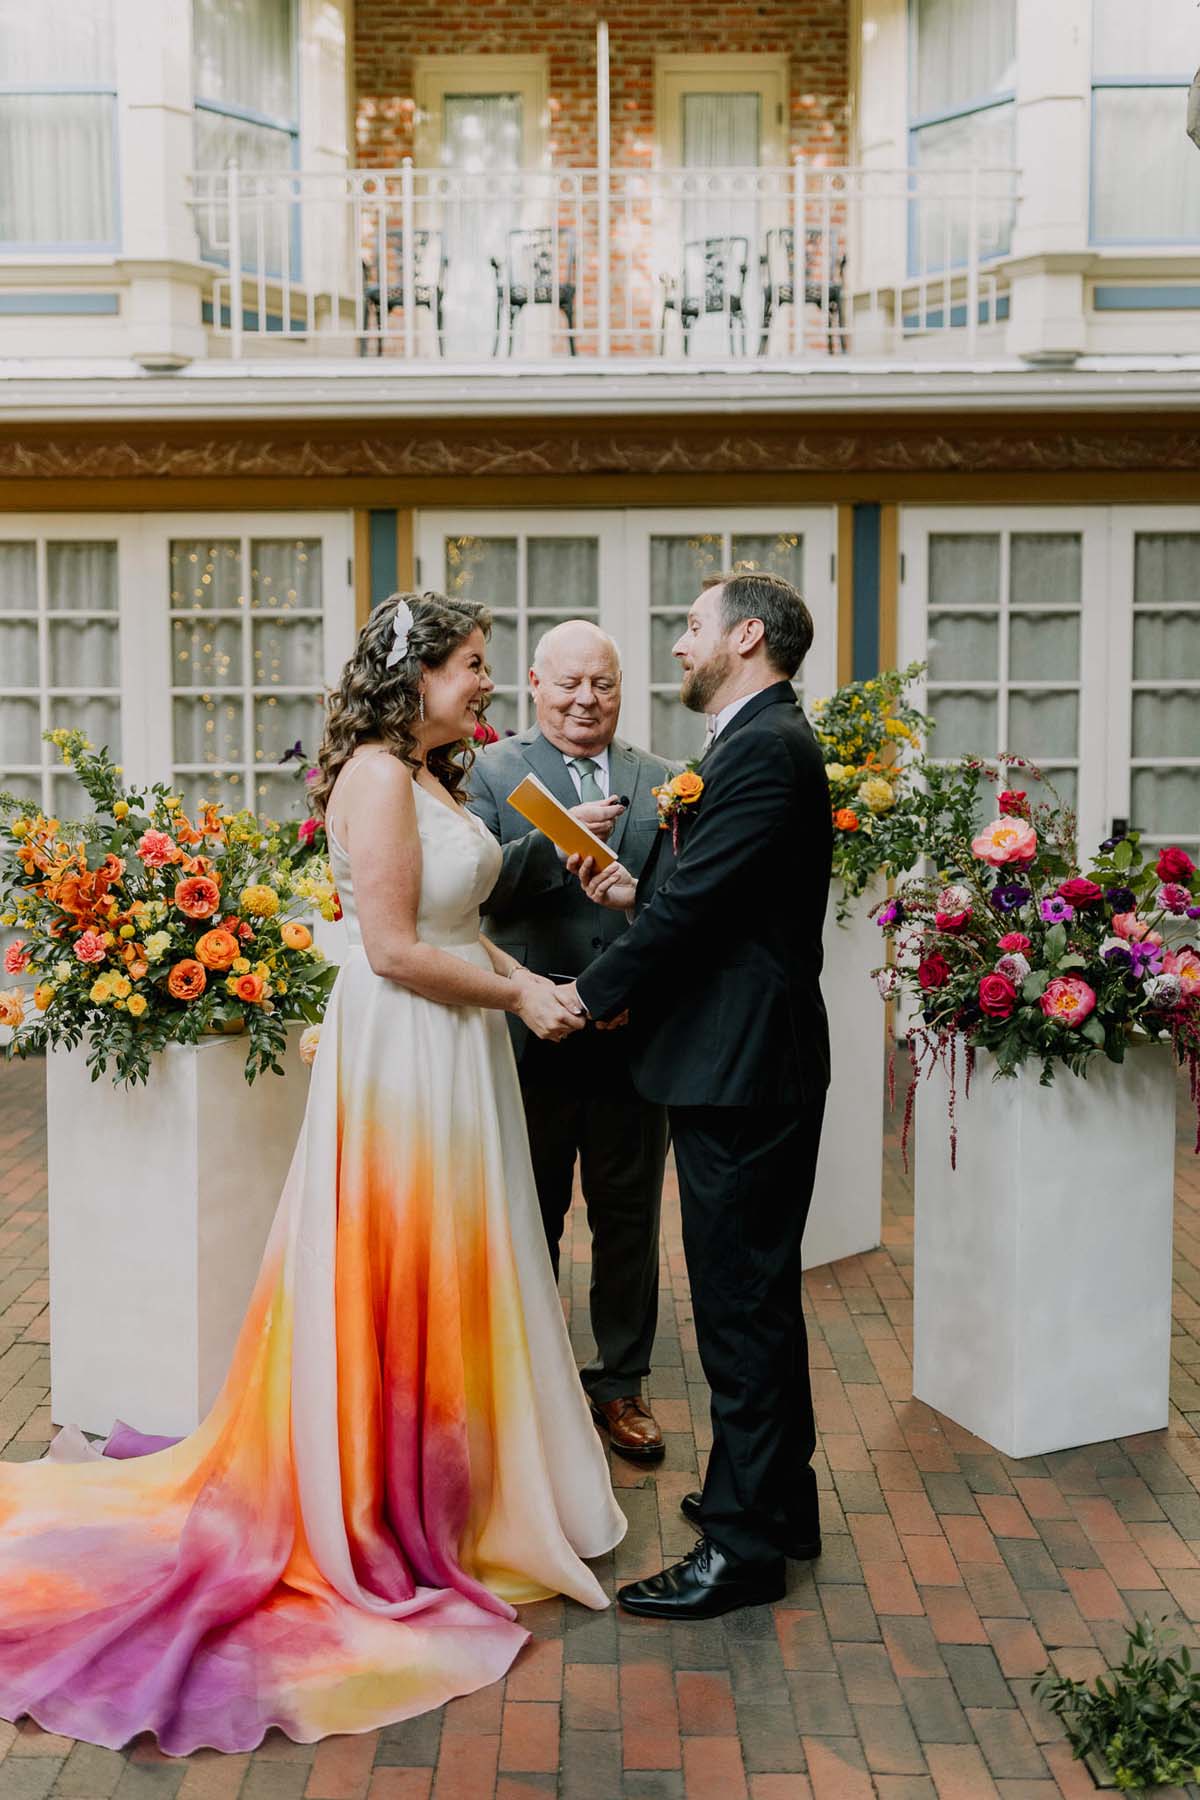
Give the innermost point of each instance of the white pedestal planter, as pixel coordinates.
(161, 1198)
(1043, 1264)
(846, 1212)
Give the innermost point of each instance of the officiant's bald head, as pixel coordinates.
(576, 686)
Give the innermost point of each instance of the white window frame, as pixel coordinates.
(919, 523)
(1146, 81)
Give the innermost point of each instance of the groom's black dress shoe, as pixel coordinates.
(704, 1585)
(803, 1550)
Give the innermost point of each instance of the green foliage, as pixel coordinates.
(1143, 1718)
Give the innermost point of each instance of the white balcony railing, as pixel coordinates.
(662, 263)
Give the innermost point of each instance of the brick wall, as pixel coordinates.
(389, 34)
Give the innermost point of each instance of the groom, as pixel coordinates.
(720, 974)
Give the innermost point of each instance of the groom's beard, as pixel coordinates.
(699, 686)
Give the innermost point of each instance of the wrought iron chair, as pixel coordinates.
(429, 285)
(526, 277)
(777, 268)
(712, 279)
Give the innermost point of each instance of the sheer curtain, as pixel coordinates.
(482, 136)
(965, 53)
(1145, 172)
(57, 175)
(244, 72)
(965, 58)
(1165, 746)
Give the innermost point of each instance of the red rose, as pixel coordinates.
(997, 996)
(1015, 803)
(1175, 865)
(952, 922)
(485, 733)
(933, 971)
(1015, 943)
(1080, 891)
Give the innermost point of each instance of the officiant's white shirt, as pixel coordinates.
(601, 761)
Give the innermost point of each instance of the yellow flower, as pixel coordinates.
(121, 809)
(118, 1005)
(837, 771)
(12, 1007)
(876, 794)
(280, 987)
(20, 828)
(157, 945)
(173, 802)
(240, 965)
(109, 939)
(122, 987)
(896, 728)
(260, 901)
(43, 994)
(99, 991)
(137, 1005)
(127, 932)
(62, 971)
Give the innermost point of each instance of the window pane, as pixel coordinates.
(98, 717)
(678, 565)
(675, 732)
(1166, 644)
(83, 654)
(779, 553)
(56, 169)
(243, 55)
(1166, 802)
(721, 131)
(563, 575)
(208, 729)
(280, 720)
(503, 653)
(81, 577)
(1166, 568)
(1166, 724)
(285, 574)
(227, 788)
(963, 646)
(1159, 39)
(964, 570)
(481, 133)
(206, 655)
(483, 569)
(279, 796)
(268, 217)
(1145, 180)
(27, 788)
(1043, 648)
(52, 42)
(20, 732)
(665, 630)
(18, 578)
(502, 713)
(941, 219)
(19, 654)
(966, 724)
(966, 51)
(1045, 568)
(1043, 725)
(1063, 782)
(286, 653)
(206, 576)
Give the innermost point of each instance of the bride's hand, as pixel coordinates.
(541, 1009)
(613, 887)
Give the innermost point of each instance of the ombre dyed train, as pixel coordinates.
(401, 1453)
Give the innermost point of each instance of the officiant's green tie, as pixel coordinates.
(589, 787)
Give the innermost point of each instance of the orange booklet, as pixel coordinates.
(534, 801)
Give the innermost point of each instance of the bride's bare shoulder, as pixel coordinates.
(371, 781)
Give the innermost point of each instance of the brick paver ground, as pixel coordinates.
(898, 1666)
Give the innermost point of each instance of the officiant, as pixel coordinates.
(580, 1103)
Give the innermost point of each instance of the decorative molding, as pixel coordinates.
(966, 447)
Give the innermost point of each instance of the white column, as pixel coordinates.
(878, 223)
(1050, 240)
(326, 137)
(154, 79)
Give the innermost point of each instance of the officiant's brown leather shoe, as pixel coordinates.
(632, 1428)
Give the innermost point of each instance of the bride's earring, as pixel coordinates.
(421, 706)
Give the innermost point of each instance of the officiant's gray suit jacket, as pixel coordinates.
(536, 911)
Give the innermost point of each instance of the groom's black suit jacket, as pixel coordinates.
(721, 968)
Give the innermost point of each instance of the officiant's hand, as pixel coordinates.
(599, 815)
(613, 887)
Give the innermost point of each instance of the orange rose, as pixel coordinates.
(137, 968)
(217, 949)
(187, 980)
(688, 787)
(295, 935)
(845, 820)
(249, 988)
(198, 897)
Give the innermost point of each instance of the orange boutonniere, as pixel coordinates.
(675, 797)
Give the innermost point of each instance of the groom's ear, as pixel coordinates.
(750, 634)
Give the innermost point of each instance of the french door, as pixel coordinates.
(634, 573)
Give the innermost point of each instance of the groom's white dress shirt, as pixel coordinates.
(718, 721)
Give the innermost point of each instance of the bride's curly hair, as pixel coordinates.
(372, 701)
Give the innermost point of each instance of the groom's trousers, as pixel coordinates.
(745, 1181)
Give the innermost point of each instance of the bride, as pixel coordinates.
(401, 1453)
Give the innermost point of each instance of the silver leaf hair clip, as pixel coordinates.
(402, 624)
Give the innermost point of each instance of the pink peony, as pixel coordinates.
(156, 849)
(1173, 898)
(1185, 964)
(1004, 841)
(16, 957)
(1015, 942)
(1067, 999)
(1134, 930)
(90, 947)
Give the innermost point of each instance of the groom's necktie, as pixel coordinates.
(589, 787)
(711, 732)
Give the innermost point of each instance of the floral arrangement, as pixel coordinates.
(142, 927)
(675, 797)
(1011, 948)
(869, 735)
